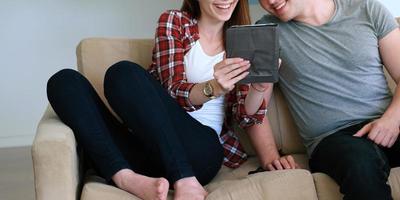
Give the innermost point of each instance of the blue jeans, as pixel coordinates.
(358, 165)
(157, 137)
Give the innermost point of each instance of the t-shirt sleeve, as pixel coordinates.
(381, 18)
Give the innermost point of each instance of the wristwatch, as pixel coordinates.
(208, 90)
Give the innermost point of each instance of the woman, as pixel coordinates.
(157, 138)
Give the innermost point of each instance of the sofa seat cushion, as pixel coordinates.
(223, 184)
(289, 184)
(284, 184)
(394, 181)
(94, 190)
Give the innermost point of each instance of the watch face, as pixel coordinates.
(208, 89)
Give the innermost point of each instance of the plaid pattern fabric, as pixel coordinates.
(175, 35)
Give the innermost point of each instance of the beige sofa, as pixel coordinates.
(57, 166)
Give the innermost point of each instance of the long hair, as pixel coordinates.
(240, 16)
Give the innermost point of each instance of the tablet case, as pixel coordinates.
(260, 45)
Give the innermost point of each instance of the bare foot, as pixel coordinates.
(144, 187)
(189, 189)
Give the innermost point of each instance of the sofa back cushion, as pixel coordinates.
(95, 55)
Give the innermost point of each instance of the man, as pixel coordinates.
(333, 53)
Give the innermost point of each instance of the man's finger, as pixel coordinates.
(285, 163)
(271, 167)
(373, 134)
(277, 165)
(379, 137)
(386, 140)
(364, 130)
(291, 162)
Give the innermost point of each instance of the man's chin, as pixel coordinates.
(284, 18)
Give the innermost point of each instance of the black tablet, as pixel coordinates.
(260, 45)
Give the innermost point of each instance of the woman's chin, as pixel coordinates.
(224, 18)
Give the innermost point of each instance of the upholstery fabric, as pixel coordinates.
(56, 162)
(55, 159)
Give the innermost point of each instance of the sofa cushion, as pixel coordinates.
(95, 55)
(287, 184)
(327, 189)
(224, 183)
(394, 182)
(99, 191)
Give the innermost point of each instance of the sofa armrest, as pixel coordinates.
(55, 159)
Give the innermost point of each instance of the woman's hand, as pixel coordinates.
(228, 72)
(284, 162)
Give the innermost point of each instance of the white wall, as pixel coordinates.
(39, 37)
(393, 6)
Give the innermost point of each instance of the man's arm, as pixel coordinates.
(263, 141)
(385, 130)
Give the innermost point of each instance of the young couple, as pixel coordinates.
(180, 111)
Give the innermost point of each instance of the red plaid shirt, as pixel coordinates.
(176, 34)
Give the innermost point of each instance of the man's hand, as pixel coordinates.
(284, 162)
(383, 131)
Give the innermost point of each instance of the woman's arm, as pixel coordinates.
(168, 58)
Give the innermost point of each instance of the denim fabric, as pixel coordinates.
(157, 137)
(358, 165)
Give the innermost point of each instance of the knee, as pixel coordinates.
(121, 74)
(366, 166)
(62, 79)
(122, 70)
(366, 178)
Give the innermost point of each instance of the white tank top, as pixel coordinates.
(199, 67)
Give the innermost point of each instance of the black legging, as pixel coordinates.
(157, 137)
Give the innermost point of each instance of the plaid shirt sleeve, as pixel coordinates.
(168, 58)
(239, 110)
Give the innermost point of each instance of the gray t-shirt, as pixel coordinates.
(332, 75)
